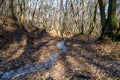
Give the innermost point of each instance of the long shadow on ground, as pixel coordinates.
(8, 37)
(105, 63)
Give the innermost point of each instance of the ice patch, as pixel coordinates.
(30, 68)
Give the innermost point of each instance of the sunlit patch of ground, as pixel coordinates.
(85, 59)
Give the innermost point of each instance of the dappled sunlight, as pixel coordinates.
(13, 51)
(81, 60)
(75, 63)
(59, 40)
(57, 72)
(30, 67)
(17, 53)
(36, 51)
(91, 58)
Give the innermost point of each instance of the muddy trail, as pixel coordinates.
(34, 55)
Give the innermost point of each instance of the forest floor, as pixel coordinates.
(85, 59)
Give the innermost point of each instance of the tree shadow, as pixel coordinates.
(9, 36)
(111, 69)
(71, 74)
(105, 63)
(29, 50)
(75, 45)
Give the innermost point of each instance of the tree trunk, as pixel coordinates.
(60, 17)
(112, 19)
(11, 12)
(22, 11)
(65, 15)
(94, 19)
(34, 12)
(109, 25)
(1, 1)
(82, 27)
(103, 18)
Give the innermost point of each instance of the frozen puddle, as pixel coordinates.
(30, 68)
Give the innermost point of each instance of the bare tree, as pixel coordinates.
(11, 10)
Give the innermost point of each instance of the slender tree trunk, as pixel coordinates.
(94, 19)
(2, 7)
(103, 18)
(65, 15)
(22, 18)
(34, 12)
(60, 17)
(38, 14)
(82, 31)
(1, 1)
(11, 8)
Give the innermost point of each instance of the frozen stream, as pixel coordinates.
(30, 68)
